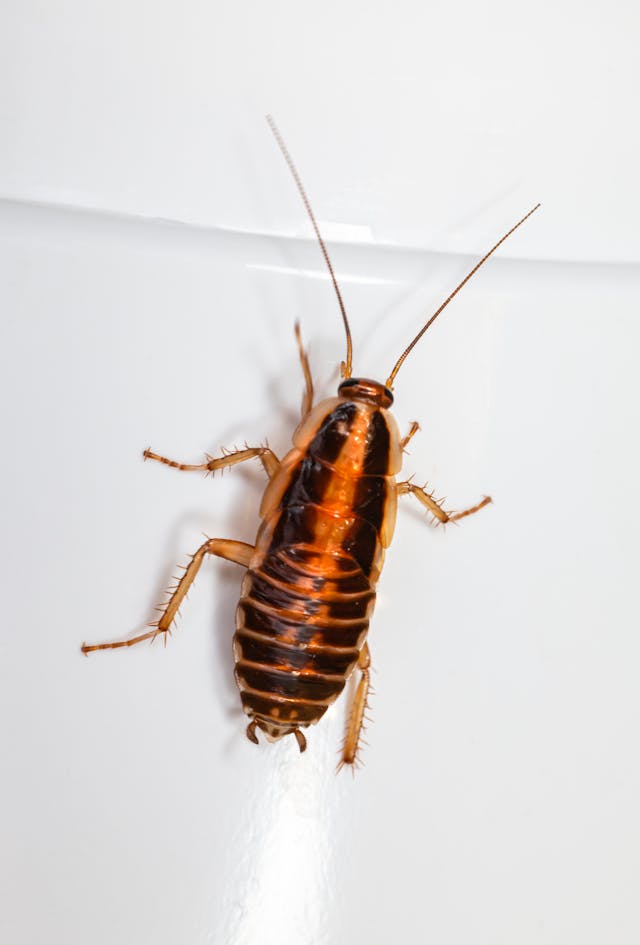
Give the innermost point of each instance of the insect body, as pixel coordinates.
(328, 515)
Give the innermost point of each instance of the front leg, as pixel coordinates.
(267, 457)
(413, 429)
(434, 507)
(307, 397)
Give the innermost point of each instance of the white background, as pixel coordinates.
(499, 798)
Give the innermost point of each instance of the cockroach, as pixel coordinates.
(327, 517)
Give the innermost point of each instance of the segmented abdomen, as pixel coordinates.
(308, 595)
(302, 619)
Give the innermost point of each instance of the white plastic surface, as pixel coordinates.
(499, 798)
(419, 123)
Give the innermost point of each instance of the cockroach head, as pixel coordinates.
(362, 388)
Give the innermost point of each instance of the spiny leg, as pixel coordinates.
(358, 707)
(267, 457)
(413, 429)
(307, 397)
(237, 551)
(432, 505)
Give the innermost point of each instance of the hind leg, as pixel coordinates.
(358, 707)
(237, 551)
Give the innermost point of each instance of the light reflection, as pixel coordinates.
(282, 885)
(345, 277)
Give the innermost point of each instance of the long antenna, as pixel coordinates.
(346, 365)
(407, 351)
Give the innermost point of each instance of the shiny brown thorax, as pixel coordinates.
(327, 517)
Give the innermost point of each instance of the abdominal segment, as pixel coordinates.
(307, 598)
(301, 621)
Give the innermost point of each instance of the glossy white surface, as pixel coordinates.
(499, 798)
(417, 123)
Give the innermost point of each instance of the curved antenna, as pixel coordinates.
(407, 351)
(345, 367)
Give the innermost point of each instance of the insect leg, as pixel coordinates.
(307, 397)
(413, 429)
(437, 511)
(267, 457)
(236, 551)
(356, 718)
